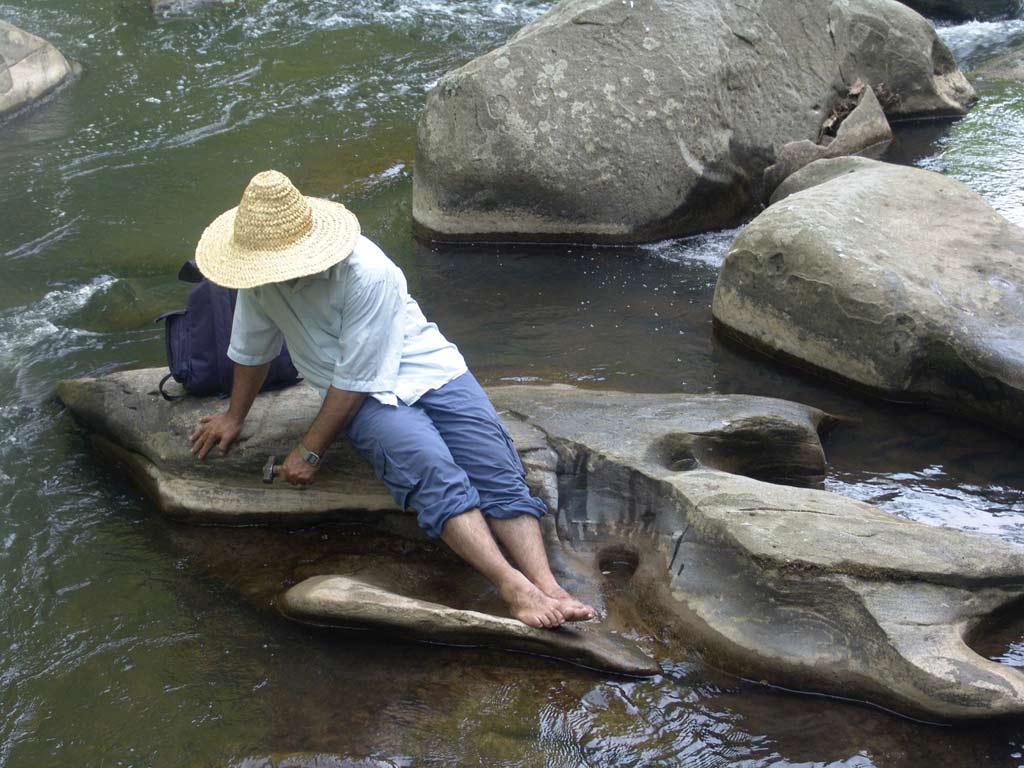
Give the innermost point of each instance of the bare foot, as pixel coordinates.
(531, 606)
(572, 609)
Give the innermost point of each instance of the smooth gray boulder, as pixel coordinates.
(796, 586)
(900, 281)
(626, 122)
(30, 68)
(965, 10)
(341, 601)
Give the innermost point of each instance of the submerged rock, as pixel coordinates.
(346, 602)
(901, 281)
(965, 10)
(796, 586)
(30, 68)
(621, 122)
(1008, 65)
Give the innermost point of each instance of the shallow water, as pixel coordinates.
(129, 642)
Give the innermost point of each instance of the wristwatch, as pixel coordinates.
(308, 456)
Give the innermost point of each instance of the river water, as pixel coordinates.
(129, 642)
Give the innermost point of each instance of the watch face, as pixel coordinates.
(312, 458)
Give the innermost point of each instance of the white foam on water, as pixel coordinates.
(22, 329)
(708, 248)
(427, 12)
(973, 40)
(396, 171)
(40, 244)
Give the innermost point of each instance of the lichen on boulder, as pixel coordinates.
(626, 122)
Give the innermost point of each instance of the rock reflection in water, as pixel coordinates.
(332, 698)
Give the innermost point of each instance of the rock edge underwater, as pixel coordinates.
(796, 586)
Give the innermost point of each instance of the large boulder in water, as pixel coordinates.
(624, 122)
(30, 68)
(901, 281)
(795, 586)
(964, 10)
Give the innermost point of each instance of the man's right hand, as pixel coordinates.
(220, 429)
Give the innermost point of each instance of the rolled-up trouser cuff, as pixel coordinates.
(528, 505)
(459, 500)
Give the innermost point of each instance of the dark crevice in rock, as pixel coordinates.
(763, 449)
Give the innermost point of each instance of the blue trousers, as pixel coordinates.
(444, 455)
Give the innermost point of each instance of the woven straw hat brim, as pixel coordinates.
(331, 239)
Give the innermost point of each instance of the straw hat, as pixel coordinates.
(275, 234)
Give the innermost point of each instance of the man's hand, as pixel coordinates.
(297, 470)
(220, 429)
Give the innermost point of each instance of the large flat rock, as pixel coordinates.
(900, 281)
(793, 585)
(625, 122)
(342, 601)
(30, 68)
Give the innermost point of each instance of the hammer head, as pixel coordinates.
(270, 469)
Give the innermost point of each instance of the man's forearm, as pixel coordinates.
(245, 385)
(338, 409)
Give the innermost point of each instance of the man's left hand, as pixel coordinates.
(297, 471)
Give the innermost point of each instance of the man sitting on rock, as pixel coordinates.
(400, 390)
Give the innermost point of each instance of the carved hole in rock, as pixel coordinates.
(618, 562)
(762, 448)
(1000, 636)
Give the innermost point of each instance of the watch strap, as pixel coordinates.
(308, 456)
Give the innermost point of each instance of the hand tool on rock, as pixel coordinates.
(270, 469)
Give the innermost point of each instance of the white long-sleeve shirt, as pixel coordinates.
(353, 326)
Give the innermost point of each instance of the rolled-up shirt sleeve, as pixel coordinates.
(255, 339)
(372, 335)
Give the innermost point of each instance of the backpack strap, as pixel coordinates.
(167, 397)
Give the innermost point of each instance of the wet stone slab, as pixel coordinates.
(696, 497)
(347, 602)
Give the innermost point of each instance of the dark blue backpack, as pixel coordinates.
(197, 340)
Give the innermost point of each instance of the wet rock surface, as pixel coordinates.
(30, 68)
(630, 122)
(793, 585)
(346, 602)
(1008, 65)
(864, 128)
(900, 281)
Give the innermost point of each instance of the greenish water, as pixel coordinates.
(131, 642)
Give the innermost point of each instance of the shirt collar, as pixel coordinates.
(299, 283)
